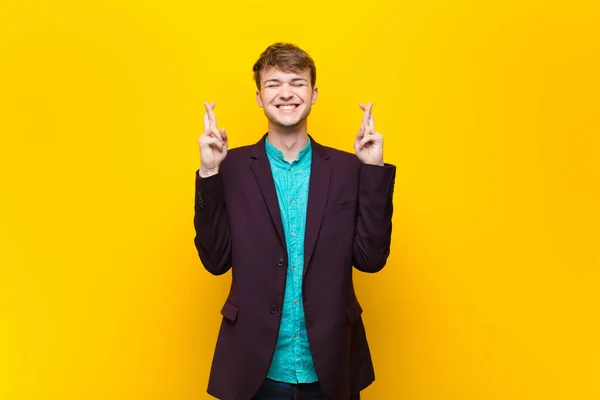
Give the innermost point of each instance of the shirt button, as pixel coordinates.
(295, 301)
(274, 309)
(291, 201)
(295, 337)
(280, 262)
(294, 267)
(293, 233)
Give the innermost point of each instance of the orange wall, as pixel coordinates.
(490, 110)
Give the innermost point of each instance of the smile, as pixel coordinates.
(287, 107)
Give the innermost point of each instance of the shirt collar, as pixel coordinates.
(275, 154)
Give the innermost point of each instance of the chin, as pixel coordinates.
(287, 123)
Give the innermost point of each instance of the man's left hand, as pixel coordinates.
(368, 144)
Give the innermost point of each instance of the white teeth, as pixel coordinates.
(288, 107)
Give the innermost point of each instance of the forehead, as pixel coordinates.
(277, 74)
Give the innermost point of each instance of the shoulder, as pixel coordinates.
(341, 157)
(239, 151)
(237, 156)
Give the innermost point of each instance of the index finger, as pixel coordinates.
(209, 116)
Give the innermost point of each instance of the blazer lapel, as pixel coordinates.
(264, 177)
(318, 189)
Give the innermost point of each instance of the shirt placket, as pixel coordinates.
(293, 218)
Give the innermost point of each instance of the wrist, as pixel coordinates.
(205, 172)
(379, 163)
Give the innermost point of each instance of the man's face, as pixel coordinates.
(286, 97)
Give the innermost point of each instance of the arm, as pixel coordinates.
(374, 217)
(213, 236)
(376, 187)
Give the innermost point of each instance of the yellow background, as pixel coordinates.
(490, 110)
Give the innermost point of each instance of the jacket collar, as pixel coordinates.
(317, 195)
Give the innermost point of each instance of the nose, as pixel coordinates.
(286, 92)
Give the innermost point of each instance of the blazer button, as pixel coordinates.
(274, 309)
(280, 262)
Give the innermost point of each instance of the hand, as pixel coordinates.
(368, 144)
(213, 143)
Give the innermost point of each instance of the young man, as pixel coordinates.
(291, 217)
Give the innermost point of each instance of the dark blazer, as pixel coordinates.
(238, 226)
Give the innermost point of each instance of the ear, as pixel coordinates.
(259, 99)
(315, 94)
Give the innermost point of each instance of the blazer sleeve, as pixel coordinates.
(374, 217)
(213, 235)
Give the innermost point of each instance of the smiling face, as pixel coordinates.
(286, 97)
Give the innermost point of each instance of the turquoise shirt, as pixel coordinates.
(292, 361)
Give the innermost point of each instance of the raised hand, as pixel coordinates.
(368, 144)
(213, 143)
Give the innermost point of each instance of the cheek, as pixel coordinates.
(264, 102)
(268, 98)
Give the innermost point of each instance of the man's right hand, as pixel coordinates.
(213, 144)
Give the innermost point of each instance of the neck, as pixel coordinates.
(290, 140)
